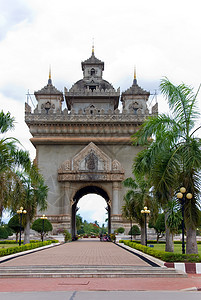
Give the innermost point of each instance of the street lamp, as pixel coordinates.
(43, 218)
(145, 211)
(183, 195)
(21, 211)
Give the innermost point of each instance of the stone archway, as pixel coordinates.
(89, 189)
(92, 170)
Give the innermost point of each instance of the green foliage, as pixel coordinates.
(135, 230)
(120, 230)
(3, 233)
(78, 222)
(174, 217)
(38, 225)
(16, 249)
(85, 228)
(159, 225)
(112, 237)
(67, 236)
(164, 256)
(14, 224)
(173, 157)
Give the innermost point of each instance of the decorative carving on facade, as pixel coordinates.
(91, 158)
(155, 109)
(91, 164)
(116, 166)
(27, 108)
(64, 167)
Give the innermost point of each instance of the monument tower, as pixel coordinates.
(86, 147)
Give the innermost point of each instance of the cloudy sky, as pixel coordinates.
(161, 38)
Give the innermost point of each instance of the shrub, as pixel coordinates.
(120, 230)
(112, 237)
(165, 256)
(135, 230)
(67, 235)
(38, 226)
(16, 249)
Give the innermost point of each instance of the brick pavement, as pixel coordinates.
(93, 253)
(79, 253)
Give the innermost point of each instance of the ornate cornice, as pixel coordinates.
(81, 140)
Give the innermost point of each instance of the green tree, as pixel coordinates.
(14, 224)
(11, 158)
(159, 226)
(38, 226)
(135, 199)
(173, 158)
(3, 232)
(78, 223)
(30, 193)
(134, 231)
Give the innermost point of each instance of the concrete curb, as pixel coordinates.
(11, 256)
(190, 268)
(144, 256)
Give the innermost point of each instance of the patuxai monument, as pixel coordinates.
(86, 147)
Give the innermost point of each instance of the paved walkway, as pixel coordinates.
(91, 253)
(79, 253)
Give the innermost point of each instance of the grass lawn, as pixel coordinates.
(5, 246)
(177, 248)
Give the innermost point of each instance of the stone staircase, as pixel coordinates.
(88, 272)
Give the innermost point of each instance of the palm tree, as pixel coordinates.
(30, 193)
(135, 199)
(173, 158)
(10, 159)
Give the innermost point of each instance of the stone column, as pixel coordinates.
(115, 198)
(66, 205)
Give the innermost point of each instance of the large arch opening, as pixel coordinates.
(85, 191)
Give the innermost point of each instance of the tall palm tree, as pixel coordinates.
(173, 158)
(11, 158)
(135, 199)
(30, 193)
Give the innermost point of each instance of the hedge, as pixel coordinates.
(31, 241)
(162, 242)
(164, 256)
(16, 249)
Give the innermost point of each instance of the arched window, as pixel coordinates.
(93, 72)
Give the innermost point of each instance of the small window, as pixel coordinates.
(93, 72)
(92, 87)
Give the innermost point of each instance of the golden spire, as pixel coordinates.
(50, 79)
(50, 72)
(134, 72)
(93, 46)
(135, 77)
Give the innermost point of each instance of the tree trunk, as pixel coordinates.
(191, 242)
(143, 242)
(16, 239)
(27, 231)
(169, 246)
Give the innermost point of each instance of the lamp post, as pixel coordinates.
(43, 218)
(183, 195)
(21, 211)
(145, 211)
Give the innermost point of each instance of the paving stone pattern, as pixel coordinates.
(79, 253)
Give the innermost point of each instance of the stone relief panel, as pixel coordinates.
(91, 164)
(91, 159)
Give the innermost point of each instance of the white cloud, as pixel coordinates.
(161, 39)
(92, 208)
